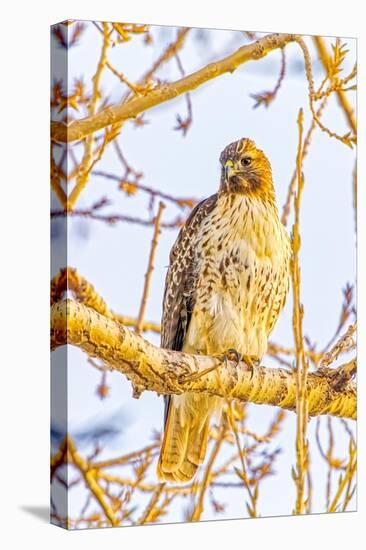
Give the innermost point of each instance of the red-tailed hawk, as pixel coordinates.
(225, 288)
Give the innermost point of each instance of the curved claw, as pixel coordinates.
(251, 362)
(233, 355)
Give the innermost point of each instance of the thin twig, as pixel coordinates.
(198, 509)
(243, 474)
(301, 362)
(305, 148)
(150, 268)
(266, 98)
(88, 161)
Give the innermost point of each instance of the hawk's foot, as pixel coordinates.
(232, 355)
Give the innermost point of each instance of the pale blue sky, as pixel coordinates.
(114, 259)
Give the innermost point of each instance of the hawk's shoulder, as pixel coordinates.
(191, 226)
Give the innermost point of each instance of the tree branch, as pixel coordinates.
(342, 97)
(150, 268)
(330, 391)
(79, 129)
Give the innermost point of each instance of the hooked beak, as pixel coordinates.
(229, 169)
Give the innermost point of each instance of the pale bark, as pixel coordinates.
(330, 391)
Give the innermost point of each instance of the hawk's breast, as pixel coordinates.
(242, 278)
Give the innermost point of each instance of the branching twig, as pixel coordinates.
(148, 514)
(88, 161)
(347, 139)
(342, 98)
(344, 344)
(345, 480)
(91, 482)
(112, 219)
(137, 186)
(266, 98)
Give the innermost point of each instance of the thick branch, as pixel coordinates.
(79, 129)
(330, 391)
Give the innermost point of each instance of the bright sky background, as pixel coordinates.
(114, 259)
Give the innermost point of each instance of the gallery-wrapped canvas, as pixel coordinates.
(203, 298)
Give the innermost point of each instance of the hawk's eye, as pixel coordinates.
(246, 161)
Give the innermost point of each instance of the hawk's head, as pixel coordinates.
(246, 170)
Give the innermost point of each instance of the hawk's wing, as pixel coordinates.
(180, 283)
(179, 294)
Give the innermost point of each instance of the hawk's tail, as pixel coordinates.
(185, 439)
